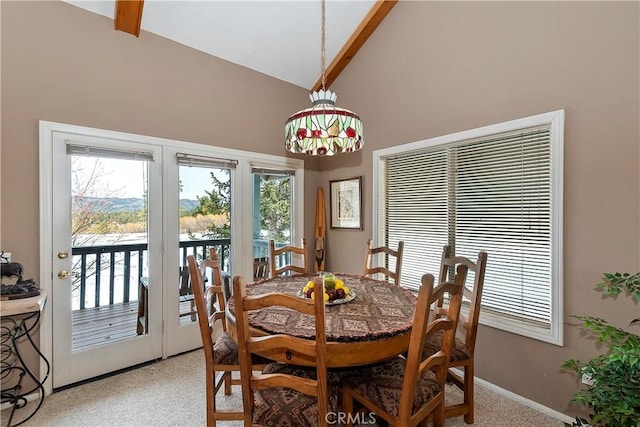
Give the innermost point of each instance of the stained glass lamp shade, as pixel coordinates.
(323, 129)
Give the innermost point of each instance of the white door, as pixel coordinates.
(106, 244)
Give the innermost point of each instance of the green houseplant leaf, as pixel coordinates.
(614, 397)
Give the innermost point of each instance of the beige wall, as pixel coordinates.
(64, 64)
(430, 69)
(434, 68)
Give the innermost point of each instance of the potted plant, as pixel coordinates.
(613, 398)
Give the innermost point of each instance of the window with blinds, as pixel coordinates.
(476, 191)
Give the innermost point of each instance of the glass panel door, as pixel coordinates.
(205, 222)
(109, 239)
(272, 209)
(102, 240)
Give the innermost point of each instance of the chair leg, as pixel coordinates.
(227, 383)
(438, 414)
(468, 393)
(347, 406)
(211, 398)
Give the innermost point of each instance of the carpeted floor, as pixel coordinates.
(171, 393)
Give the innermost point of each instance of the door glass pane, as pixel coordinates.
(272, 208)
(109, 249)
(205, 222)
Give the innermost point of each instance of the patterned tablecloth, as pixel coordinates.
(379, 310)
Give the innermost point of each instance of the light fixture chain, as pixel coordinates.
(324, 78)
(323, 129)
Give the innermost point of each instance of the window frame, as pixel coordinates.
(555, 121)
(242, 193)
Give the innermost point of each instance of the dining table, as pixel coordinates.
(370, 326)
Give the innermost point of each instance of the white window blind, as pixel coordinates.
(184, 159)
(267, 169)
(111, 153)
(492, 193)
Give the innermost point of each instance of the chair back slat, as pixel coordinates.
(370, 269)
(472, 292)
(203, 321)
(204, 297)
(292, 251)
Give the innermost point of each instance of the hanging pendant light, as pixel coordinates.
(323, 129)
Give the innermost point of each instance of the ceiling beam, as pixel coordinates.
(128, 16)
(368, 25)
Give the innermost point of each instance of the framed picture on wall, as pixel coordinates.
(346, 203)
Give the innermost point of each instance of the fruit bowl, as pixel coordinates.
(335, 291)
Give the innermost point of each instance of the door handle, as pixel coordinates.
(63, 254)
(63, 274)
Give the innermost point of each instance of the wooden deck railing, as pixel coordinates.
(123, 265)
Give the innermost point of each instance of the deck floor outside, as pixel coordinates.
(96, 326)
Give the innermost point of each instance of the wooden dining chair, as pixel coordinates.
(405, 392)
(221, 356)
(371, 258)
(283, 395)
(290, 252)
(462, 355)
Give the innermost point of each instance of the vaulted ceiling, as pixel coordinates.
(279, 38)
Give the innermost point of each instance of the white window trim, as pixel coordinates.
(554, 119)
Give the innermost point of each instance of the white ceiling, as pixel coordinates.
(279, 38)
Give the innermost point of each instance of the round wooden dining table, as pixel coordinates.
(372, 327)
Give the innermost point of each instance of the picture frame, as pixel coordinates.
(345, 197)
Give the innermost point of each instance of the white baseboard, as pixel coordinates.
(523, 400)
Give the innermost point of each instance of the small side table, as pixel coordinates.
(18, 319)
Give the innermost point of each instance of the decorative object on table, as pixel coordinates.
(12, 269)
(335, 291)
(323, 129)
(15, 287)
(346, 203)
(613, 397)
(320, 232)
(22, 289)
